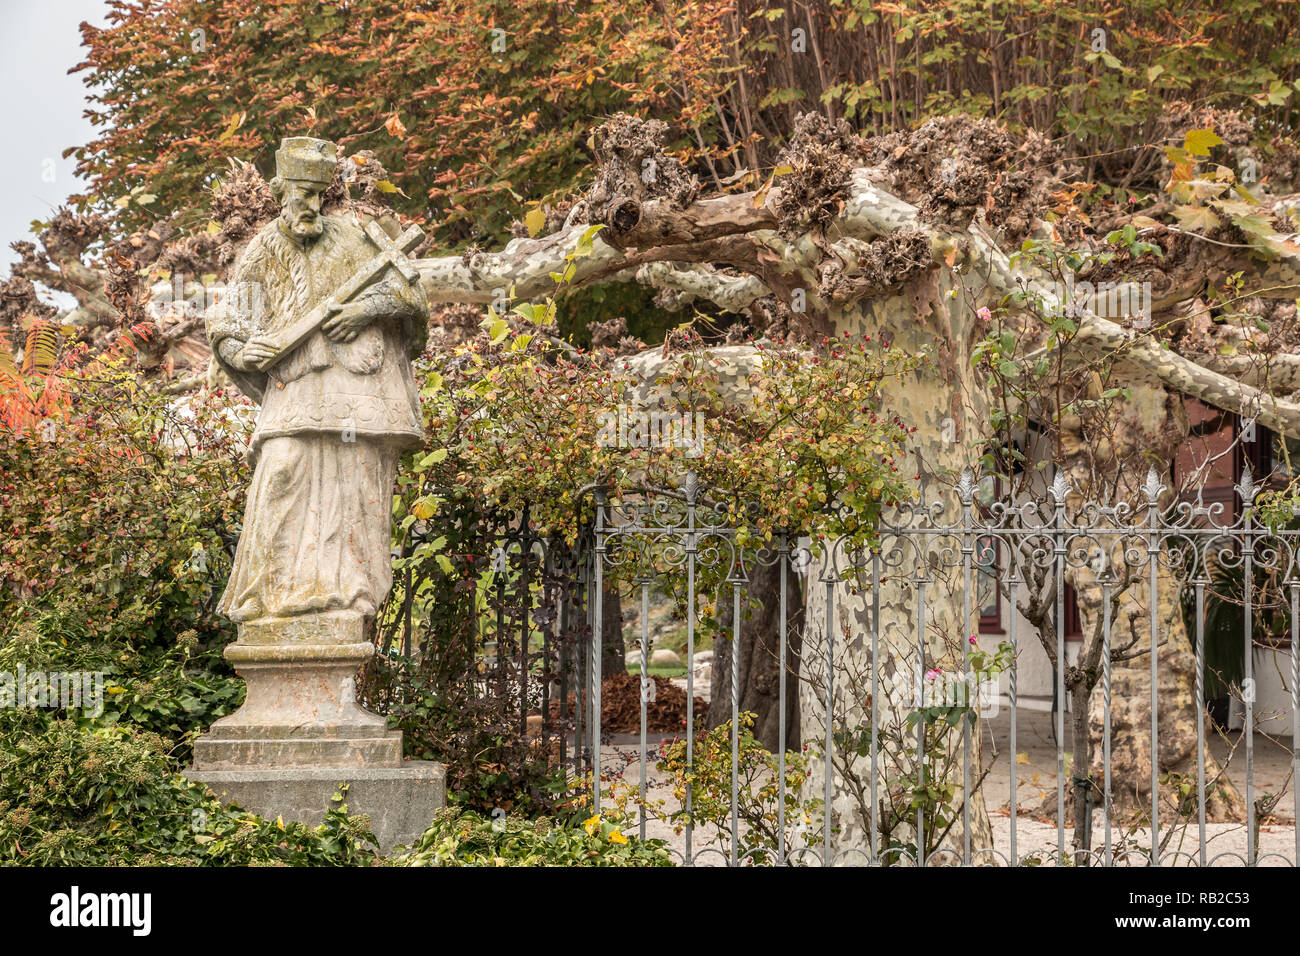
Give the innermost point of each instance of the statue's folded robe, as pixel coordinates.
(335, 418)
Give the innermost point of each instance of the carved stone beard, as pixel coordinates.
(306, 232)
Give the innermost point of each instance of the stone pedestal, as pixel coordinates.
(300, 732)
(401, 800)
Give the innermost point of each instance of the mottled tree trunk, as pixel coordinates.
(943, 403)
(1130, 711)
(760, 661)
(1151, 426)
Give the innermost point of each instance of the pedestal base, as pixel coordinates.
(300, 733)
(401, 800)
(300, 709)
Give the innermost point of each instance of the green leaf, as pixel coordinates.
(1254, 225)
(433, 458)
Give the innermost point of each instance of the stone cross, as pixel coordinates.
(391, 253)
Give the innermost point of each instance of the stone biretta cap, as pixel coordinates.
(306, 159)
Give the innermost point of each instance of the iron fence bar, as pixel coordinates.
(525, 606)
(1200, 717)
(597, 640)
(920, 724)
(1105, 682)
(1153, 569)
(783, 555)
(1058, 568)
(563, 623)
(552, 600)
(735, 718)
(830, 710)
(691, 546)
(1011, 681)
(875, 706)
(1248, 684)
(582, 686)
(498, 650)
(1295, 712)
(645, 690)
(967, 551)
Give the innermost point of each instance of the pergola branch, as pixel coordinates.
(1097, 335)
(678, 249)
(692, 281)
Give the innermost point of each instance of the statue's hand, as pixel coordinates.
(346, 324)
(254, 353)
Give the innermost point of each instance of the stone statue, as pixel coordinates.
(324, 318)
(338, 408)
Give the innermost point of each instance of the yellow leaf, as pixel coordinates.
(591, 824)
(1022, 758)
(616, 836)
(1199, 142)
(535, 221)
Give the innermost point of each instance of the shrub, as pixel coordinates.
(467, 838)
(758, 795)
(119, 510)
(107, 797)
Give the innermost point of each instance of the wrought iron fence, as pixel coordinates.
(879, 606)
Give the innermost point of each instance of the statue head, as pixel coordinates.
(304, 167)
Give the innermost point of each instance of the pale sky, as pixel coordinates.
(41, 106)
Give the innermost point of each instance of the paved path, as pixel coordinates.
(1036, 834)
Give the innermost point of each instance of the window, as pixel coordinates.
(988, 563)
(988, 596)
(1073, 621)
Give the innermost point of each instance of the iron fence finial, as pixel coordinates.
(1153, 487)
(1060, 486)
(1247, 488)
(966, 486)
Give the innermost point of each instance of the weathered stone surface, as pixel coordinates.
(338, 400)
(217, 753)
(401, 801)
(321, 330)
(300, 709)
